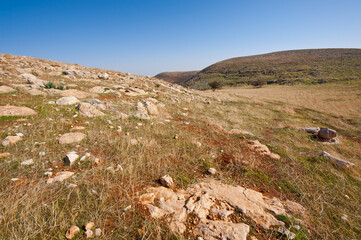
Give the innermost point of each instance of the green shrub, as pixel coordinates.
(49, 85)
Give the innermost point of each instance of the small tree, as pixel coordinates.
(258, 82)
(215, 85)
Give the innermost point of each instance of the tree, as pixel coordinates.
(258, 82)
(215, 85)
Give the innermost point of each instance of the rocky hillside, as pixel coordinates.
(176, 77)
(93, 153)
(310, 66)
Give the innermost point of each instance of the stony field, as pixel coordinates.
(99, 154)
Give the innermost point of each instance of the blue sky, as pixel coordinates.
(147, 37)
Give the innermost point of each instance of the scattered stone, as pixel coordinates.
(336, 161)
(49, 174)
(111, 170)
(104, 76)
(212, 171)
(27, 162)
(119, 168)
(60, 177)
(78, 128)
(70, 158)
(6, 89)
(89, 234)
(16, 111)
(143, 116)
(14, 179)
(41, 153)
(152, 108)
(71, 185)
(9, 140)
(166, 181)
(69, 138)
(72, 232)
(262, 149)
(127, 208)
(286, 232)
(4, 155)
(67, 100)
(88, 110)
(98, 232)
(133, 141)
(75, 93)
(89, 226)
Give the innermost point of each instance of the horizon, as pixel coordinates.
(150, 37)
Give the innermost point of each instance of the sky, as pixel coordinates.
(147, 37)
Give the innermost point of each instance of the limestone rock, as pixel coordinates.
(152, 108)
(70, 158)
(98, 232)
(27, 162)
(9, 140)
(166, 181)
(72, 232)
(212, 171)
(87, 110)
(336, 161)
(4, 155)
(6, 89)
(67, 100)
(143, 116)
(240, 132)
(69, 138)
(89, 225)
(104, 76)
(139, 107)
(214, 230)
(262, 149)
(89, 234)
(60, 177)
(16, 111)
(74, 93)
(213, 200)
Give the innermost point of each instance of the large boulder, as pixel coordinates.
(16, 111)
(67, 100)
(327, 134)
(69, 138)
(88, 110)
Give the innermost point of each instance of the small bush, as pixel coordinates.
(258, 82)
(215, 85)
(49, 85)
(60, 87)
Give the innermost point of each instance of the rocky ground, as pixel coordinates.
(92, 153)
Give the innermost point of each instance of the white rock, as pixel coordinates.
(89, 234)
(9, 140)
(166, 181)
(98, 232)
(212, 171)
(41, 153)
(27, 162)
(72, 185)
(69, 138)
(70, 158)
(133, 141)
(60, 177)
(67, 100)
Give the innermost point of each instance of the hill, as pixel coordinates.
(176, 77)
(88, 152)
(308, 66)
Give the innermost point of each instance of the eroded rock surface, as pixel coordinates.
(16, 111)
(262, 149)
(216, 201)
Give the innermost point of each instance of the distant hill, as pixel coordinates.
(176, 77)
(285, 67)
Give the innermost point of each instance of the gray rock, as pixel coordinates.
(88, 110)
(312, 130)
(338, 162)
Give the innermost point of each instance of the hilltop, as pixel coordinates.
(96, 153)
(307, 66)
(176, 77)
